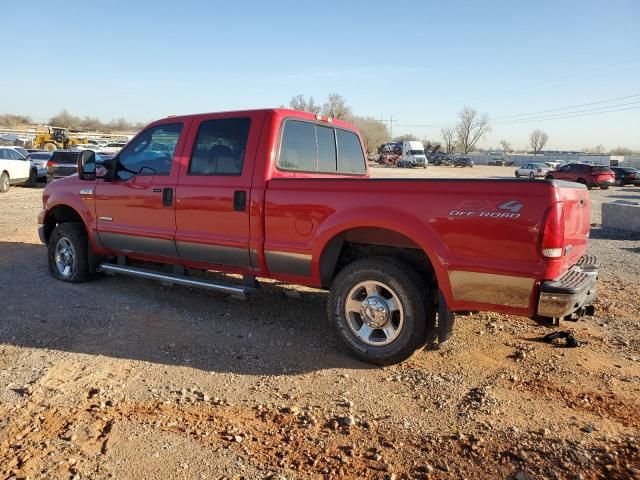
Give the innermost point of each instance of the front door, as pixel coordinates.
(213, 195)
(135, 210)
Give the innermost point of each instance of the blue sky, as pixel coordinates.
(419, 61)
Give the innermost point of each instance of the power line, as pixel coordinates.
(571, 115)
(534, 115)
(567, 108)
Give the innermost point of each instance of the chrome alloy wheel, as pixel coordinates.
(65, 257)
(374, 313)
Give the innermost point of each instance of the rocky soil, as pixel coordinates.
(125, 378)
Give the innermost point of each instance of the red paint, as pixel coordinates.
(481, 225)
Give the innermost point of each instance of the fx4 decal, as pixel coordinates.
(488, 209)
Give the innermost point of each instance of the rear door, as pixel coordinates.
(135, 211)
(214, 190)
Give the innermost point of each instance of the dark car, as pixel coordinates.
(40, 159)
(63, 163)
(589, 175)
(463, 162)
(626, 176)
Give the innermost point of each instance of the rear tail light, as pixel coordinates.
(553, 232)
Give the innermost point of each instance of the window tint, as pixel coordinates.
(326, 149)
(350, 156)
(310, 147)
(220, 147)
(151, 153)
(298, 149)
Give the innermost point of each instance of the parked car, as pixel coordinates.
(463, 162)
(40, 159)
(63, 163)
(16, 169)
(553, 164)
(532, 170)
(626, 176)
(440, 159)
(286, 195)
(112, 147)
(589, 175)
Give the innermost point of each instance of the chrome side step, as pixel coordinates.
(176, 279)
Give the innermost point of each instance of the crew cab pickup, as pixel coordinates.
(286, 195)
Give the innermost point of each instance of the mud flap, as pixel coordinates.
(445, 319)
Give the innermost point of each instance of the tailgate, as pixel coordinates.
(577, 221)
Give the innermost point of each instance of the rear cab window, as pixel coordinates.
(314, 148)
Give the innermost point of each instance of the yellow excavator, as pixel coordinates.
(55, 137)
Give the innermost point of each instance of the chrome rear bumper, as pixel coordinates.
(572, 292)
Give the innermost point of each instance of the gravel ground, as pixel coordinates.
(126, 378)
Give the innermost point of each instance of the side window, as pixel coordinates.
(298, 148)
(151, 153)
(350, 155)
(310, 147)
(220, 147)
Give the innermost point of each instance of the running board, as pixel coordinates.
(177, 279)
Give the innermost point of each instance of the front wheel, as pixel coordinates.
(380, 310)
(532, 176)
(605, 187)
(68, 253)
(33, 178)
(549, 177)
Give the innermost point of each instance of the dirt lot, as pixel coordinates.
(125, 378)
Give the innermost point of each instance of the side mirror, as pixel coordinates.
(87, 165)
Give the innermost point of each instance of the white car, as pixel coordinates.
(112, 148)
(16, 169)
(533, 170)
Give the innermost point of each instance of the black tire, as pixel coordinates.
(549, 177)
(4, 182)
(33, 178)
(532, 176)
(75, 234)
(418, 313)
(606, 187)
(517, 174)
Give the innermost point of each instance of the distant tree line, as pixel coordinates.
(67, 120)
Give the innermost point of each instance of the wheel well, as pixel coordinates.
(60, 214)
(366, 242)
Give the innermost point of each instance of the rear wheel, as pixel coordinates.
(606, 187)
(68, 253)
(378, 309)
(4, 182)
(549, 177)
(50, 147)
(584, 182)
(517, 174)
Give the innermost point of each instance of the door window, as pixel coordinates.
(151, 153)
(350, 155)
(220, 147)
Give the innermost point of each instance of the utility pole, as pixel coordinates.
(389, 122)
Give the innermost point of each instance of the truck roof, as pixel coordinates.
(280, 112)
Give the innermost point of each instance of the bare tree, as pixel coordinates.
(471, 128)
(374, 133)
(506, 146)
(407, 137)
(448, 137)
(598, 149)
(300, 103)
(537, 140)
(621, 151)
(12, 120)
(336, 107)
(65, 119)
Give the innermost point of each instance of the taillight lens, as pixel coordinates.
(553, 233)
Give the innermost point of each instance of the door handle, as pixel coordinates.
(239, 200)
(167, 197)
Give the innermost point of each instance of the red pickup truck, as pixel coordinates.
(287, 195)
